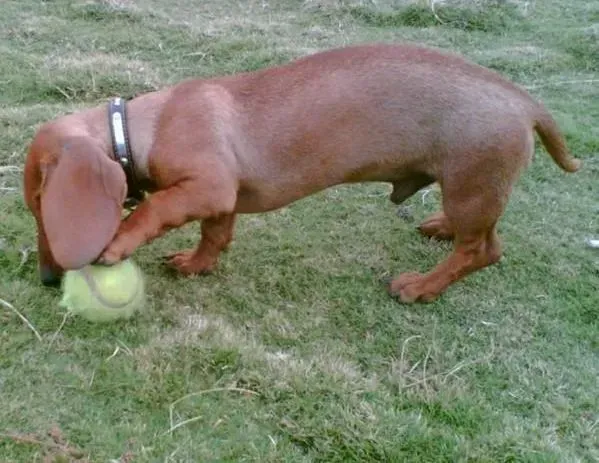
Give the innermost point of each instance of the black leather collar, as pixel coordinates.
(121, 149)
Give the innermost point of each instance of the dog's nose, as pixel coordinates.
(49, 277)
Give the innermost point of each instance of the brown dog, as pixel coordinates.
(253, 142)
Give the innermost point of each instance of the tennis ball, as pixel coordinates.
(101, 293)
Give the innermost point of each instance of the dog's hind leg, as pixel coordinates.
(474, 198)
(476, 246)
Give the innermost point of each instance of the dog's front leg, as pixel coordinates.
(167, 209)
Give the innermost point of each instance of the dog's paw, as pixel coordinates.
(190, 263)
(111, 256)
(412, 287)
(115, 252)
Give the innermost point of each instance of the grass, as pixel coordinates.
(292, 351)
(493, 17)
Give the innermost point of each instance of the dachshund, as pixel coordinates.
(209, 149)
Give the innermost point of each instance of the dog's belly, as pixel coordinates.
(268, 193)
(250, 201)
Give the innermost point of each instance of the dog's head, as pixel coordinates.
(75, 192)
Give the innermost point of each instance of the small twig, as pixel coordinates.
(91, 380)
(416, 365)
(454, 370)
(420, 381)
(65, 94)
(207, 391)
(125, 347)
(404, 346)
(488, 323)
(425, 193)
(116, 351)
(432, 5)
(197, 53)
(183, 423)
(64, 320)
(428, 354)
(24, 257)
(217, 423)
(27, 322)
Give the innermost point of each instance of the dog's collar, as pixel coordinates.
(121, 149)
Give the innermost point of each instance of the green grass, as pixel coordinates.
(493, 17)
(503, 367)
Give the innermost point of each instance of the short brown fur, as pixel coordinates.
(254, 142)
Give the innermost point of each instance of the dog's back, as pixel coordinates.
(419, 107)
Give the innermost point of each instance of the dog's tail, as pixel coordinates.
(554, 141)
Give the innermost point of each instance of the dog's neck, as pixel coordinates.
(142, 119)
(142, 113)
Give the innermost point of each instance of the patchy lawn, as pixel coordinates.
(292, 350)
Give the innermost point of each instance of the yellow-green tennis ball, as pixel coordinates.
(101, 293)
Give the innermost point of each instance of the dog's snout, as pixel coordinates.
(49, 277)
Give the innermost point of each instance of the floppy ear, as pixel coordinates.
(81, 202)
